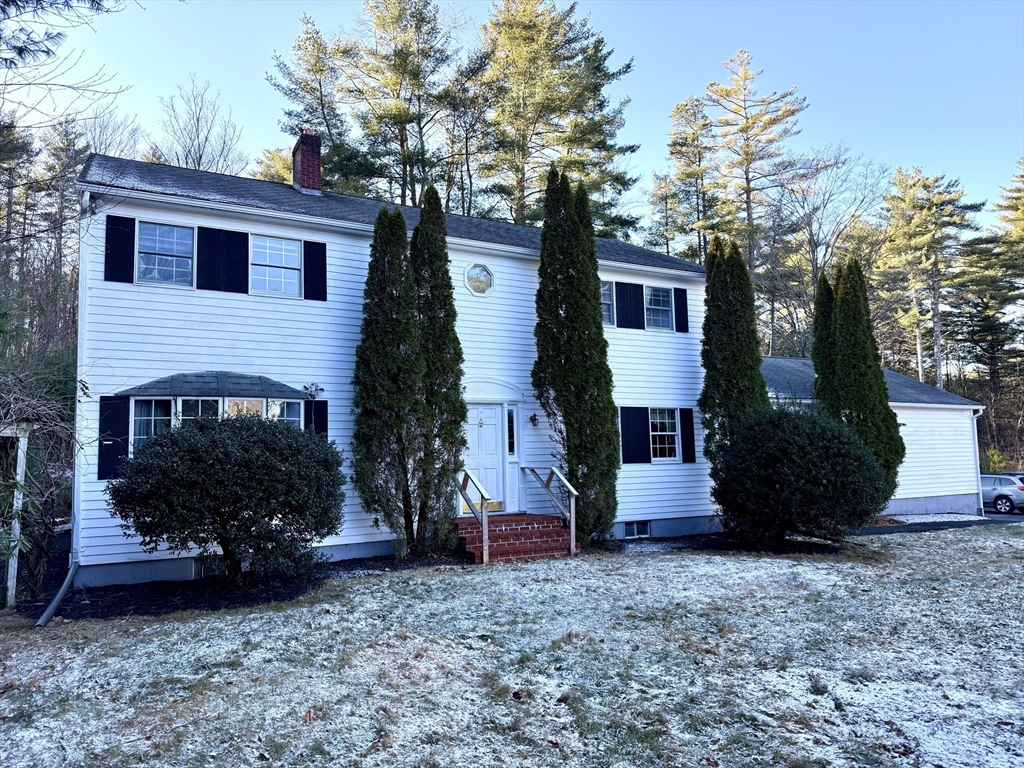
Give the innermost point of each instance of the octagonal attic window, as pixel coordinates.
(479, 279)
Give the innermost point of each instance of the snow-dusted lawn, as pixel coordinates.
(907, 651)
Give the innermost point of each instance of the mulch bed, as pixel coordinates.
(157, 598)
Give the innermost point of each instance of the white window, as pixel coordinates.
(480, 279)
(664, 434)
(511, 431)
(165, 254)
(285, 410)
(640, 529)
(245, 407)
(151, 417)
(658, 303)
(276, 266)
(192, 408)
(608, 302)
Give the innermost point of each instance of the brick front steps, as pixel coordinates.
(514, 537)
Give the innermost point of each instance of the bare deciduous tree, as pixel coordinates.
(109, 133)
(198, 133)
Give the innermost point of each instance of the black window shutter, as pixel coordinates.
(222, 260)
(113, 435)
(682, 313)
(314, 271)
(315, 415)
(629, 305)
(686, 435)
(622, 305)
(119, 251)
(208, 258)
(234, 273)
(636, 435)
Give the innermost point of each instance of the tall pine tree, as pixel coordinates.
(445, 408)
(823, 347)
(860, 396)
(571, 375)
(734, 388)
(387, 445)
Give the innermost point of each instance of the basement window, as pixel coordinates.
(638, 530)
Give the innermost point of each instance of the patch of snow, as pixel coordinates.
(937, 518)
(897, 653)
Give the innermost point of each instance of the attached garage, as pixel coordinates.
(940, 472)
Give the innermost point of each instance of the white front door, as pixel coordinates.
(485, 451)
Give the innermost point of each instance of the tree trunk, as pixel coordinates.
(748, 194)
(920, 352)
(937, 333)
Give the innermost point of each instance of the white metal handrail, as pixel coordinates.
(568, 515)
(481, 513)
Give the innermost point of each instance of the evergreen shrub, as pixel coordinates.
(796, 472)
(262, 491)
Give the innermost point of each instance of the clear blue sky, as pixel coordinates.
(934, 84)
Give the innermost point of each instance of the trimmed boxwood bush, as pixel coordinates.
(261, 490)
(789, 471)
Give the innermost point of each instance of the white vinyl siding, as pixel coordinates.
(940, 457)
(298, 342)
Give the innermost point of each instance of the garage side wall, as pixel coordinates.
(940, 471)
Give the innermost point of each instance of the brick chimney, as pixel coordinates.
(306, 175)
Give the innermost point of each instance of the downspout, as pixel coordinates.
(977, 457)
(55, 603)
(83, 271)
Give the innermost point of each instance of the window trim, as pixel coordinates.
(670, 309)
(301, 270)
(678, 458)
(179, 419)
(465, 279)
(269, 400)
(611, 284)
(131, 418)
(139, 221)
(636, 534)
(222, 406)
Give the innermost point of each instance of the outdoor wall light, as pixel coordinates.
(533, 419)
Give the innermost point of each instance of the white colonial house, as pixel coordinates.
(206, 293)
(202, 293)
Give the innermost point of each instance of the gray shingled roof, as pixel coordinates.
(792, 378)
(215, 384)
(118, 174)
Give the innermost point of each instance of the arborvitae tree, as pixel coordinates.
(571, 376)
(861, 397)
(387, 445)
(734, 388)
(823, 348)
(442, 377)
